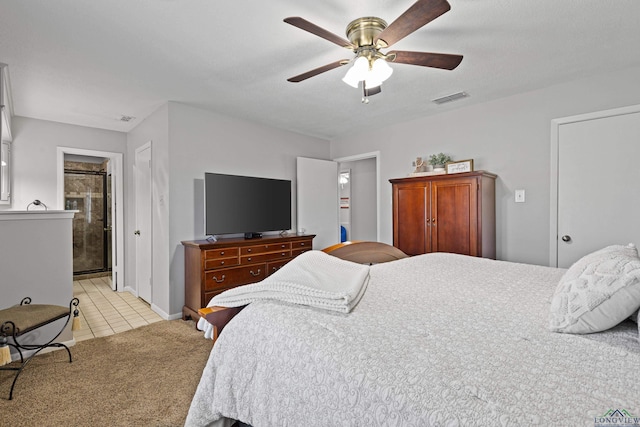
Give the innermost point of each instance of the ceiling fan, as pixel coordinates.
(368, 35)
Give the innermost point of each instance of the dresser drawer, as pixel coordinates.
(208, 295)
(302, 244)
(210, 264)
(273, 256)
(221, 253)
(274, 266)
(230, 277)
(296, 252)
(259, 249)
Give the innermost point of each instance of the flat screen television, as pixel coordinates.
(245, 204)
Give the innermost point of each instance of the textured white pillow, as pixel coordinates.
(599, 291)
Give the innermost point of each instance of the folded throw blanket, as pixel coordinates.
(313, 278)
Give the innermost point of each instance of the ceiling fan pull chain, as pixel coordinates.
(365, 97)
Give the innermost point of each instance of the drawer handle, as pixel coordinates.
(284, 254)
(218, 281)
(275, 268)
(249, 259)
(221, 262)
(249, 250)
(222, 253)
(283, 246)
(254, 274)
(301, 244)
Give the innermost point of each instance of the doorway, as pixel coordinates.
(318, 198)
(364, 195)
(87, 190)
(358, 201)
(115, 214)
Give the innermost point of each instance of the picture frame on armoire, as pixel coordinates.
(460, 166)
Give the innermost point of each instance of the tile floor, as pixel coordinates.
(105, 312)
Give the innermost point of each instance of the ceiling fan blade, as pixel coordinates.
(445, 61)
(316, 71)
(303, 24)
(421, 13)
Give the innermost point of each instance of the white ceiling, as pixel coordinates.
(90, 62)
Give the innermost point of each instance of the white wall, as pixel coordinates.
(509, 137)
(186, 143)
(36, 261)
(33, 156)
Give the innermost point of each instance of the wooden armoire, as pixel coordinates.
(445, 213)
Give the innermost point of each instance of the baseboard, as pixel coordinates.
(130, 290)
(165, 315)
(175, 316)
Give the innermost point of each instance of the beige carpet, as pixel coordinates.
(143, 377)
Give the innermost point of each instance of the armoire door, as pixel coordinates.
(454, 216)
(410, 229)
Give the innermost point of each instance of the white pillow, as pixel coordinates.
(597, 292)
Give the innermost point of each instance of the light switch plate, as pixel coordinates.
(519, 196)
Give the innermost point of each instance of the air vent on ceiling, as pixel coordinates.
(126, 118)
(450, 98)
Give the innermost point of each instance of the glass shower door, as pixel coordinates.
(85, 192)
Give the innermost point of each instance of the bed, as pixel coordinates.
(437, 339)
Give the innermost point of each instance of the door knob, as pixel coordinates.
(566, 238)
(137, 232)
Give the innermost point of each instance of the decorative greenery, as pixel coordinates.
(439, 159)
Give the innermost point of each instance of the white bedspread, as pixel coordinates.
(438, 339)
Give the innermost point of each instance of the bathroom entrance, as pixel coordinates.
(87, 189)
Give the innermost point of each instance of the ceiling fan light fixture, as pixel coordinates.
(380, 71)
(357, 72)
(373, 74)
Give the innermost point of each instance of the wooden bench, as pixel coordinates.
(18, 320)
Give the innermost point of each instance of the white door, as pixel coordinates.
(143, 236)
(598, 196)
(317, 194)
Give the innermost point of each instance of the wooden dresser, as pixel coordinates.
(213, 267)
(445, 213)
